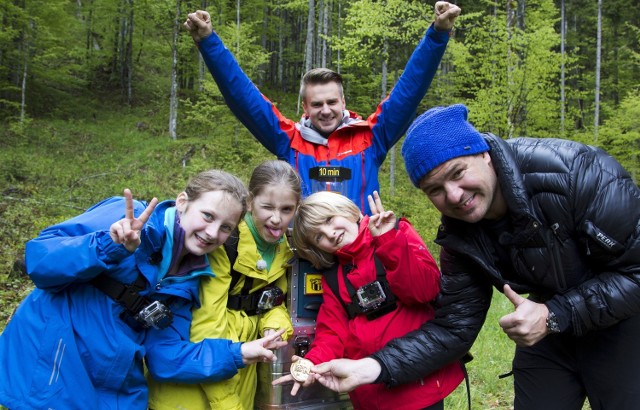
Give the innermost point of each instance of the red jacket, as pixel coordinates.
(414, 279)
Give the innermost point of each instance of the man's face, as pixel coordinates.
(465, 188)
(323, 104)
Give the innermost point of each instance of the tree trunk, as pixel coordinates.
(598, 57)
(280, 48)
(129, 55)
(339, 31)
(23, 86)
(263, 43)
(563, 37)
(325, 32)
(173, 100)
(319, 29)
(308, 57)
(510, 29)
(202, 68)
(383, 95)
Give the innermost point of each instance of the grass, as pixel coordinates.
(53, 169)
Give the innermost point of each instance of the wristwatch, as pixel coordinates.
(552, 323)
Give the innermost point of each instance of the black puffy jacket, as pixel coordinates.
(575, 245)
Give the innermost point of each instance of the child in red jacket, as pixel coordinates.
(378, 282)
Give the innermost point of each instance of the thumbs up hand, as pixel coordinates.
(527, 325)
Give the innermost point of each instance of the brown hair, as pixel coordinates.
(320, 76)
(274, 172)
(312, 213)
(217, 180)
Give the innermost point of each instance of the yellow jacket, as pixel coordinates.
(214, 320)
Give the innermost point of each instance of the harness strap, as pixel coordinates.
(126, 295)
(245, 300)
(353, 309)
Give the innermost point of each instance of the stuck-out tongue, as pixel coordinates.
(275, 232)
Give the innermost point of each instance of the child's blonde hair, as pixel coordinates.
(313, 212)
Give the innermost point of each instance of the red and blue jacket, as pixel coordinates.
(357, 145)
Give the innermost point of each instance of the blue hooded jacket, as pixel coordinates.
(67, 347)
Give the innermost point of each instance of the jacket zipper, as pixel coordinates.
(553, 246)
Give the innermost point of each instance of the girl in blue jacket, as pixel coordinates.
(112, 293)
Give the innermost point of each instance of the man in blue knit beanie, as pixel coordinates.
(551, 218)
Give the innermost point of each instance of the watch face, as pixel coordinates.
(552, 323)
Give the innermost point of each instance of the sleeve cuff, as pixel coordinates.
(563, 319)
(237, 354)
(384, 375)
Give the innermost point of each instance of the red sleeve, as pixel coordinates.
(412, 272)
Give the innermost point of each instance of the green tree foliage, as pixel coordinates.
(40, 53)
(368, 24)
(509, 76)
(620, 134)
(70, 56)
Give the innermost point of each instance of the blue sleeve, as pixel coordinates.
(171, 357)
(397, 111)
(77, 249)
(244, 99)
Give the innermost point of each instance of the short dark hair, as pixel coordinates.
(320, 76)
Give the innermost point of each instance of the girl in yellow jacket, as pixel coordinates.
(244, 301)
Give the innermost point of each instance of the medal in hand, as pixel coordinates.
(300, 370)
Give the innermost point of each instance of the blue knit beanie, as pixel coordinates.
(438, 135)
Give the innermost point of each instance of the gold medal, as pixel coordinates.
(300, 370)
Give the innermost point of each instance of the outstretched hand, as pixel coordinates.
(344, 375)
(296, 384)
(446, 15)
(198, 24)
(258, 350)
(527, 325)
(381, 221)
(127, 230)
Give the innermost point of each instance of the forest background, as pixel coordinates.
(99, 95)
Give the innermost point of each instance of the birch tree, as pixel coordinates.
(563, 37)
(173, 99)
(596, 114)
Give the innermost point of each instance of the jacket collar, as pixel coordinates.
(310, 134)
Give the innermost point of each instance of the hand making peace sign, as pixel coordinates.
(381, 221)
(127, 230)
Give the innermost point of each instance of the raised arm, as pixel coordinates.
(395, 113)
(244, 99)
(79, 249)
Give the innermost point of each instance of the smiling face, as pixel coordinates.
(335, 233)
(324, 105)
(208, 220)
(465, 188)
(272, 210)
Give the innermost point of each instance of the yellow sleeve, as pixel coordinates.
(210, 319)
(223, 394)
